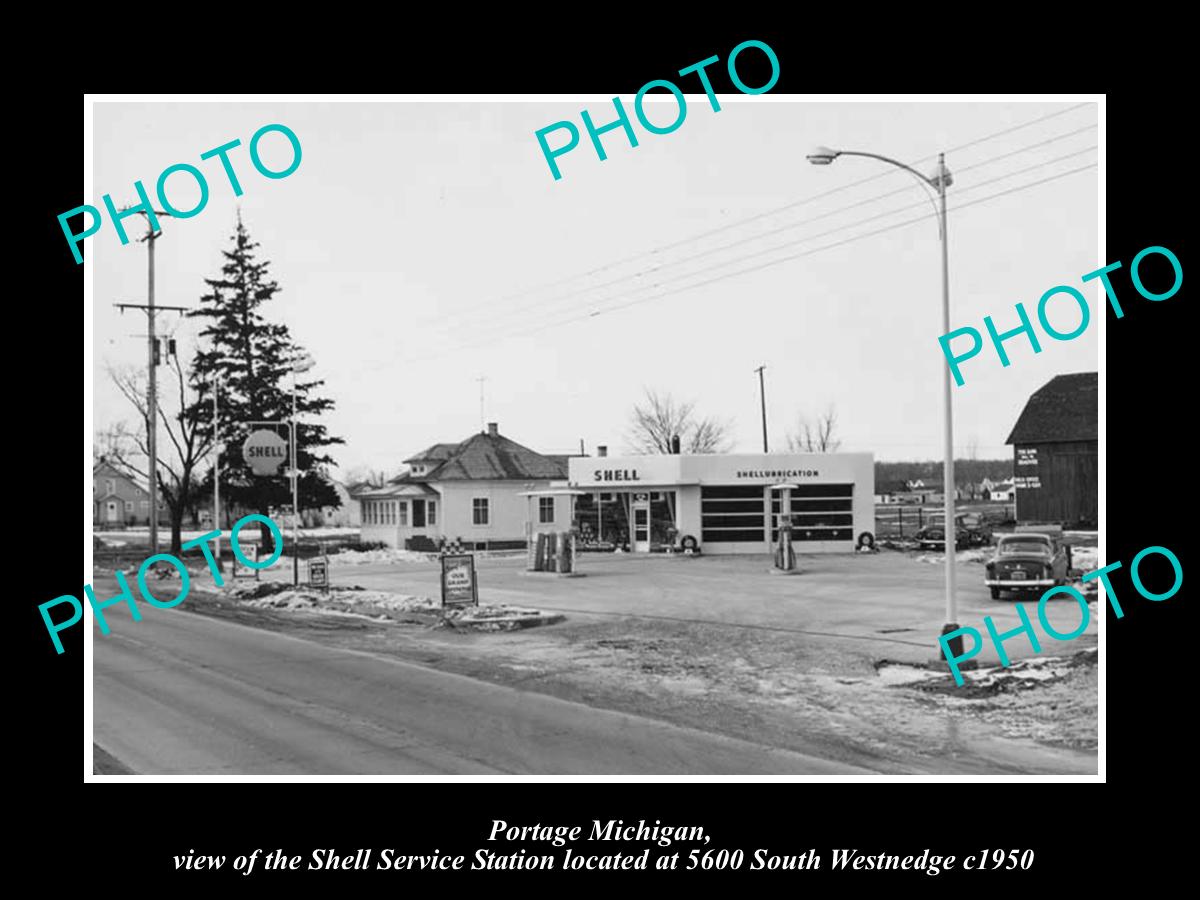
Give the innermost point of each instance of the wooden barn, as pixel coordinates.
(1055, 446)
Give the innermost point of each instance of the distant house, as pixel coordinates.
(346, 515)
(891, 492)
(1055, 452)
(1001, 492)
(470, 491)
(119, 501)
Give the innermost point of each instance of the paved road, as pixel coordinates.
(179, 693)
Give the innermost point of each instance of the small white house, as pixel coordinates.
(1002, 492)
(472, 492)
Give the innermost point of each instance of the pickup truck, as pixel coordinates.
(1031, 559)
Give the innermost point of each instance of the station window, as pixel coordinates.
(545, 510)
(479, 511)
(432, 512)
(128, 506)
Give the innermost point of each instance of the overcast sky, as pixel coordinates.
(420, 246)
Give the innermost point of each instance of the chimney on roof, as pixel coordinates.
(602, 449)
(493, 429)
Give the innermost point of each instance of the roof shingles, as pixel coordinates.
(484, 457)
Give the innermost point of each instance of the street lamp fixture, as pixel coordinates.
(823, 156)
(935, 186)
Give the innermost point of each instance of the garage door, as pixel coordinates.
(820, 512)
(732, 514)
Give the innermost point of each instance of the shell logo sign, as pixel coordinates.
(265, 452)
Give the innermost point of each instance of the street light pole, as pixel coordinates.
(950, 533)
(941, 179)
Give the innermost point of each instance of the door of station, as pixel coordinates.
(641, 524)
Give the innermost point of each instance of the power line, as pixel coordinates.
(807, 239)
(848, 240)
(508, 312)
(767, 264)
(756, 217)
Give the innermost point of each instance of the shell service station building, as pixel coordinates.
(727, 503)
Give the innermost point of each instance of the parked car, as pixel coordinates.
(933, 535)
(1028, 560)
(978, 530)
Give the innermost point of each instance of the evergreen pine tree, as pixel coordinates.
(251, 358)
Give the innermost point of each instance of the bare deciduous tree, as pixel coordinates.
(178, 456)
(366, 475)
(661, 417)
(815, 436)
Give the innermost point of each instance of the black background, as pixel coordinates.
(129, 833)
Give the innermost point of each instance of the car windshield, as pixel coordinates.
(1024, 546)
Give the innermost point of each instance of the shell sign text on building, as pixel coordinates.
(264, 451)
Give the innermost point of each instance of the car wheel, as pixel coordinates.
(995, 593)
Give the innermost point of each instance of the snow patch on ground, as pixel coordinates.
(975, 555)
(383, 605)
(396, 555)
(1083, 558)
(1086, 559)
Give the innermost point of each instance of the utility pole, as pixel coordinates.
(152, 403)
(152, 364)
(762, 389)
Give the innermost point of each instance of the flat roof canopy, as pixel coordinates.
(608, 487)
(552, 492)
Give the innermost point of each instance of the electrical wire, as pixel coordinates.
(758, 216)
(451, 324)
(595, 313)
(758, 267)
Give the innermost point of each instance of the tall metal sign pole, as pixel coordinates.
(217, 468)
(300, 364)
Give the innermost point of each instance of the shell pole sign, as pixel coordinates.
(265, 451)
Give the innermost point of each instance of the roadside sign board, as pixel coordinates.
(318, 573)
(250, 551)
(459, 586)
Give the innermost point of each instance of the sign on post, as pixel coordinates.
(318, 573)
(264, 451)
(459, 587)
(250, 551)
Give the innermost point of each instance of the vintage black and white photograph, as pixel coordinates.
(672, 435)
